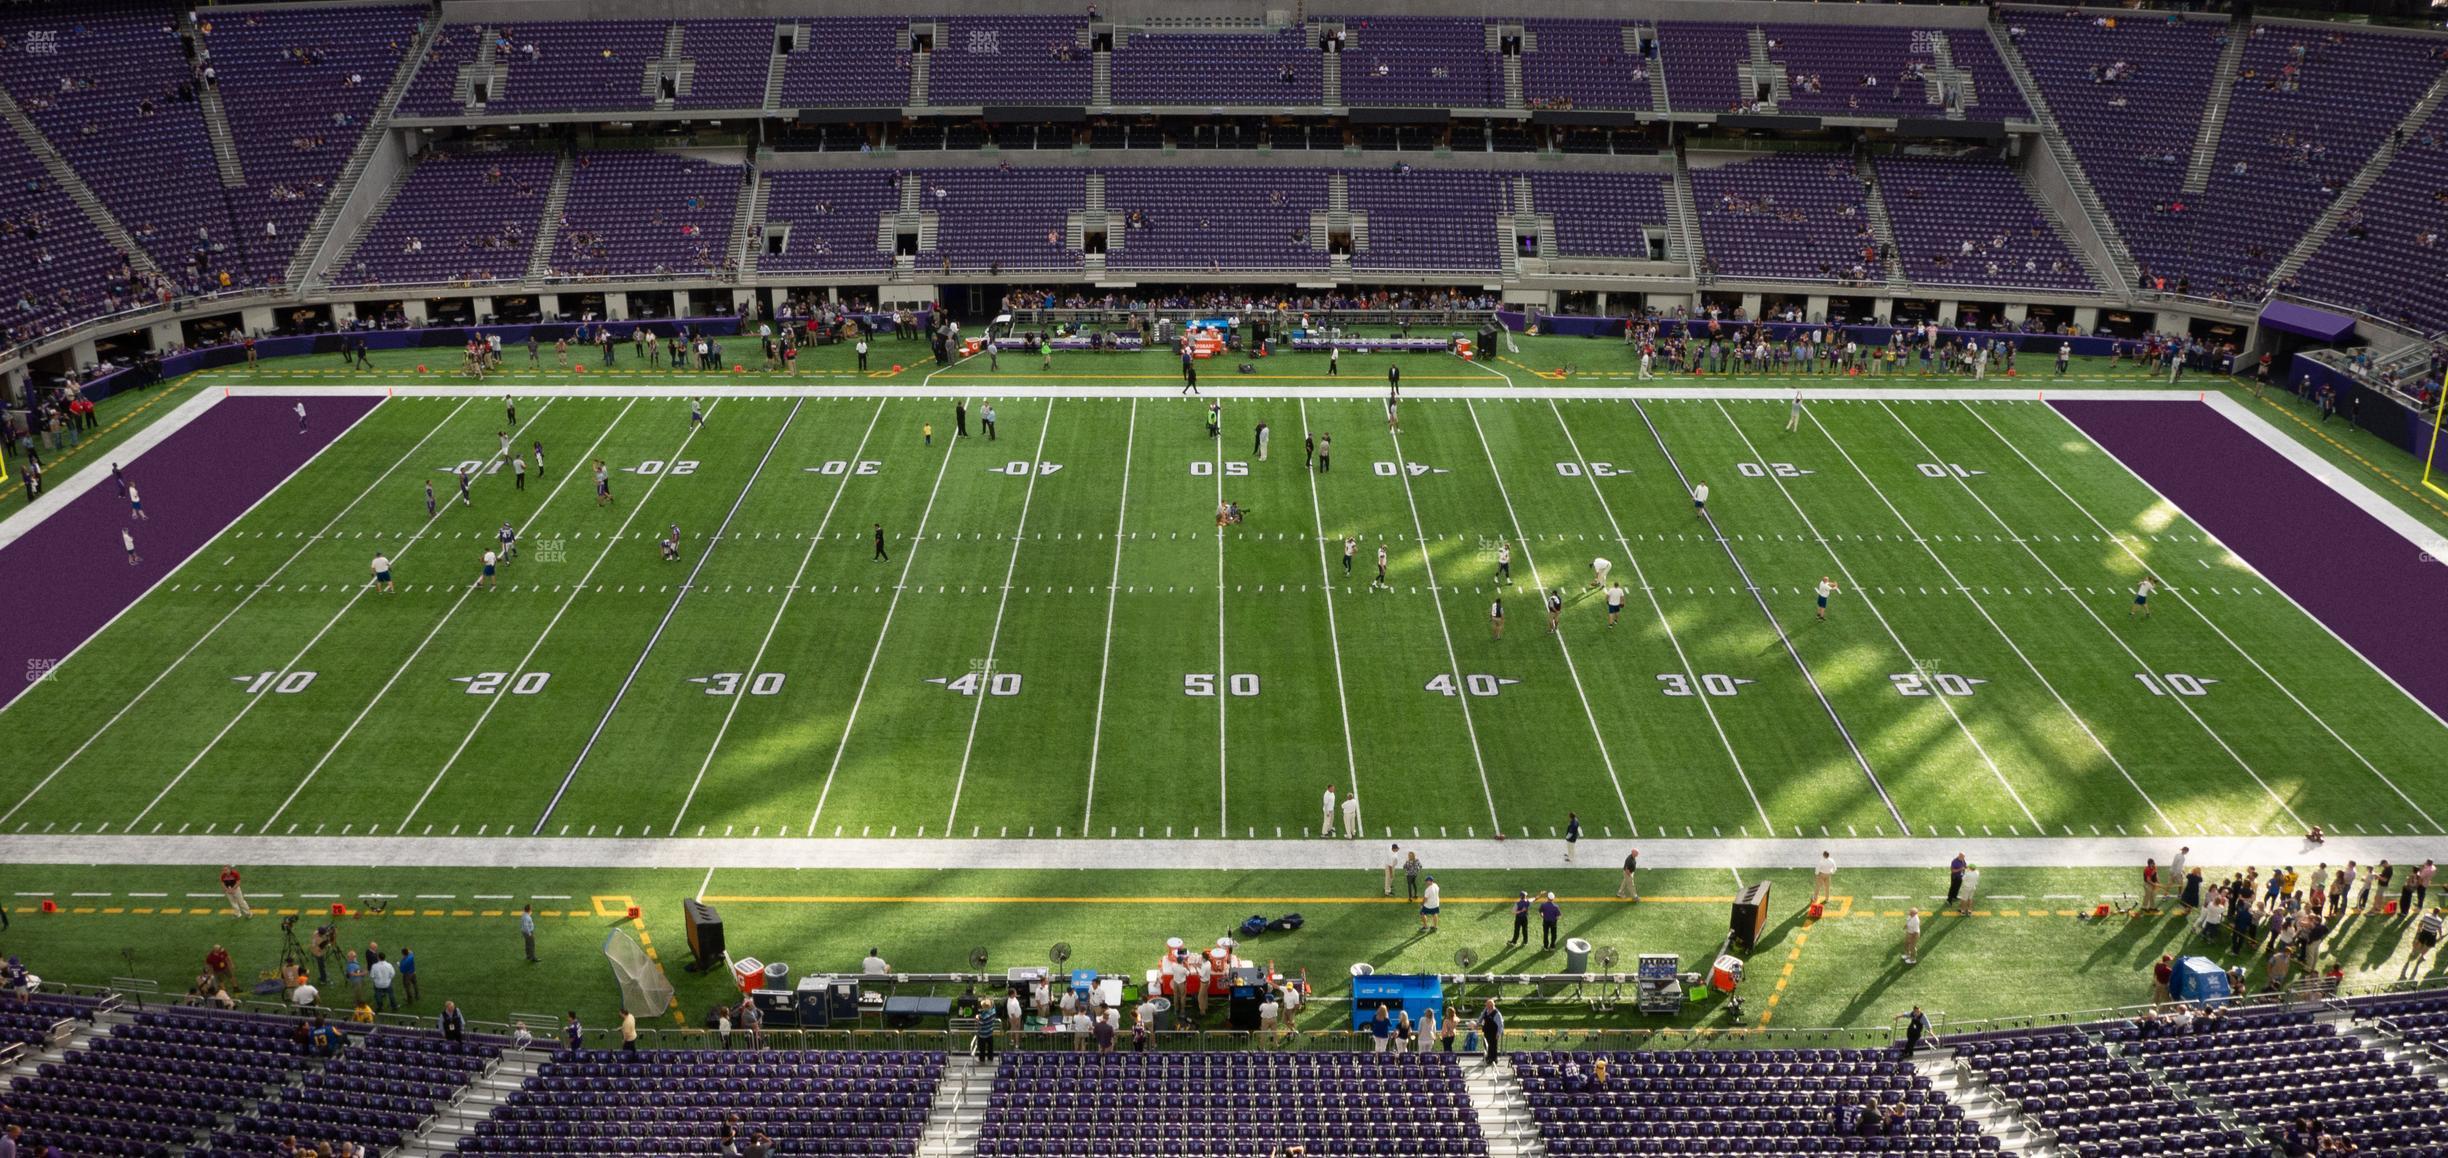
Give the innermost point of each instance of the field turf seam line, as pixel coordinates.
(1690, 672)
(1911, 661)
(756, 662)
(2087, 610)
(465, 590)
(994, 635)
(679, 597)
(232, 613)
(858, 700)
(1334, 642)
(286, 668)
(1113, 589)
(2011, 645)
(1453, 659)
(1792, 652)
(520, 667)
(2289, 693)
(1563, 646)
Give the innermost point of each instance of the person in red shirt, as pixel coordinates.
(236, 895)
(2162, 974)
(217, 963)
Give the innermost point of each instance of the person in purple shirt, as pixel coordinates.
(1549, 914)
(1521, 920)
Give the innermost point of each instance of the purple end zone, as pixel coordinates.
(72, 567)
(2365, 581)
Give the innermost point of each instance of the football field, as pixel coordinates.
(1057, 640)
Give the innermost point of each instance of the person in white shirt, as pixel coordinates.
(1823, 879)
(1647, 362)
(1825, 588)
(1380, 581)
(1326, 813)
(2142, 593)
(1971, 889)
(1615, 601)
(1602, 572)
(1200, 974)
(1700, 501)
(1793, 414)
(382, 973)
(486, 579)
(874, 965)
(1351, 816)
(129, 541)
(1912, 936)
(1270, 1012)
(1394, 859)
(1504, 561)
(1432, 898)
(1011, 1016)
(304, 995)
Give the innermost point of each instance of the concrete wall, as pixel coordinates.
(1132, 11)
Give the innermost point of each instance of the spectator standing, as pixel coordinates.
(1572, 834)
(230, 889)
(1431, 899)
(628, 1031)
(454, 1023)
(1411, 874)
(1971, 890)
(526, 923)
(407, 973)
(1549, 914)
(1521, 920)
(1955, 875)
(1823, 877)
(2163, 975)
(2426, 938)
(1326, 815)
(383, 974)
(1491, 1030)
(1912, 936)
(2150, 885)
(573, 1034)
(1916, 1026)
(1629, 888)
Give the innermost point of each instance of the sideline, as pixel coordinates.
(512, 850)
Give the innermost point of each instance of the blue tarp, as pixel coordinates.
(2304, 321)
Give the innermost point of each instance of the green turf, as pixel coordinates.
(2025, 950)
(1089, 582)
(851, 709)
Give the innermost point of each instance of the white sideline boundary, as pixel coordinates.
(1363, 858)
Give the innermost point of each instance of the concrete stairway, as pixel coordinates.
(918, 78)
(224, 146)
(1944, 74)
(1514, 98)
(303, 266)
(2352, 195)
(548, 231)
(1687, 221)
(1504, 1110)
(1330, 74)
(1763, 70)
(959, 1113)
(1100, 83)
(748, 226)
(2214, 117)
(489, 1091)
(341, 258)
(65, 177)
(2127, 272)
(2065, 233)
(1657, 72)
(780, 64)
(486, 68)
(1981, 1105)
(1874, 202)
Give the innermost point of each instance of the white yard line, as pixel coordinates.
(994, 637)
(1911, 661)
(1539, 582)
(1223, 673)
(2178, 592)
(520, 667)
(2017, 648)
(1113, 591)
(756, 662)
(687, 584)
(917, 539)
(359, 593)
(232, 613)
(1326, 589)
(1453, 659)
(1792, 652)
(2068, 590)
(405, 664)
(1664, 624)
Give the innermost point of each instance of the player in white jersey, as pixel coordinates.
(1351, 547)
(2142, 593)
(1602, 572)
(1700, 501)
(1793, 414)
(1555, 610)
(1825, 588)
(486, 580)
(1615, 602)
(1381, 566)
(1504, 561)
